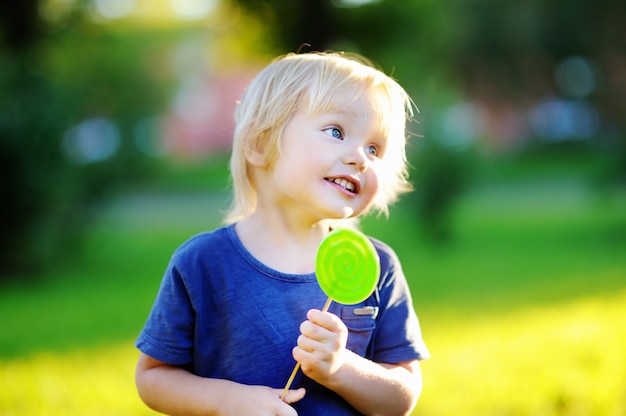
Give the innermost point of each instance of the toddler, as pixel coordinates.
(319, 141)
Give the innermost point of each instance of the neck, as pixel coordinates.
(286, 246)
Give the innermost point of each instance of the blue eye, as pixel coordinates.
(334, 132)
(372, 150)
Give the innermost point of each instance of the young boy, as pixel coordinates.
(319, 141)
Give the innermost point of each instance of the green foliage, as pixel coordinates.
(55, 76)
(46, 88)
(440, 176)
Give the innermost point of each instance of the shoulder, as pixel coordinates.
(201, 246)
(391, 272)
(217, 236)
(388, 257)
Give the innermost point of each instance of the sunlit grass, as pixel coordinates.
(90, 381)
(564, 359)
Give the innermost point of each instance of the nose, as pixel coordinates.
(356, 157)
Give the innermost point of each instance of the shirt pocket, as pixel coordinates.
(361, 322)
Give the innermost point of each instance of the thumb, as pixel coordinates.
(292, 396)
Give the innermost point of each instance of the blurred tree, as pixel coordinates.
(296, 23)
(405, 38)
(509, 53)
(53, 79)
(441, 175)
(20, 24)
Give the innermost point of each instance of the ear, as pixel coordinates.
(254, 154)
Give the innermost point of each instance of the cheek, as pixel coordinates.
(373, 181)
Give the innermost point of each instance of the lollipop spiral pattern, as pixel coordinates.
(347, 266)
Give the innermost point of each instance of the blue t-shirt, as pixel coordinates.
(221, 313)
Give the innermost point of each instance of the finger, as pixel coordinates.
(326, 320)
(307, 344)
(313, 331)
(303, 356)
(292, 396)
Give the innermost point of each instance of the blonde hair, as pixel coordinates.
(314, 81)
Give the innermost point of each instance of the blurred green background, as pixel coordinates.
(115, 120)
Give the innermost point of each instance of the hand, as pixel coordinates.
(321, 346)
(263, 401)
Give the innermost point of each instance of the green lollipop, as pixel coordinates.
(347, 266)
(347, 269)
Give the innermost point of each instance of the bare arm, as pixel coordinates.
(371, 388)
(378, 389)
(172, 390)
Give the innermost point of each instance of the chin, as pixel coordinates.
(348, 214)
(344, 213)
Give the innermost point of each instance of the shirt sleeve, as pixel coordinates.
(398, 336)
(168, 333)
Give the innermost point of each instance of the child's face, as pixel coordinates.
(330, 163)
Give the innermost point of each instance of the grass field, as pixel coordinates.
(524, 310)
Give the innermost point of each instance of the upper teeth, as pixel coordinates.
(348, 185)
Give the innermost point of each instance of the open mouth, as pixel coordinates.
(345, 184)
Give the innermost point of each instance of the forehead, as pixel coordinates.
(358, 106)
